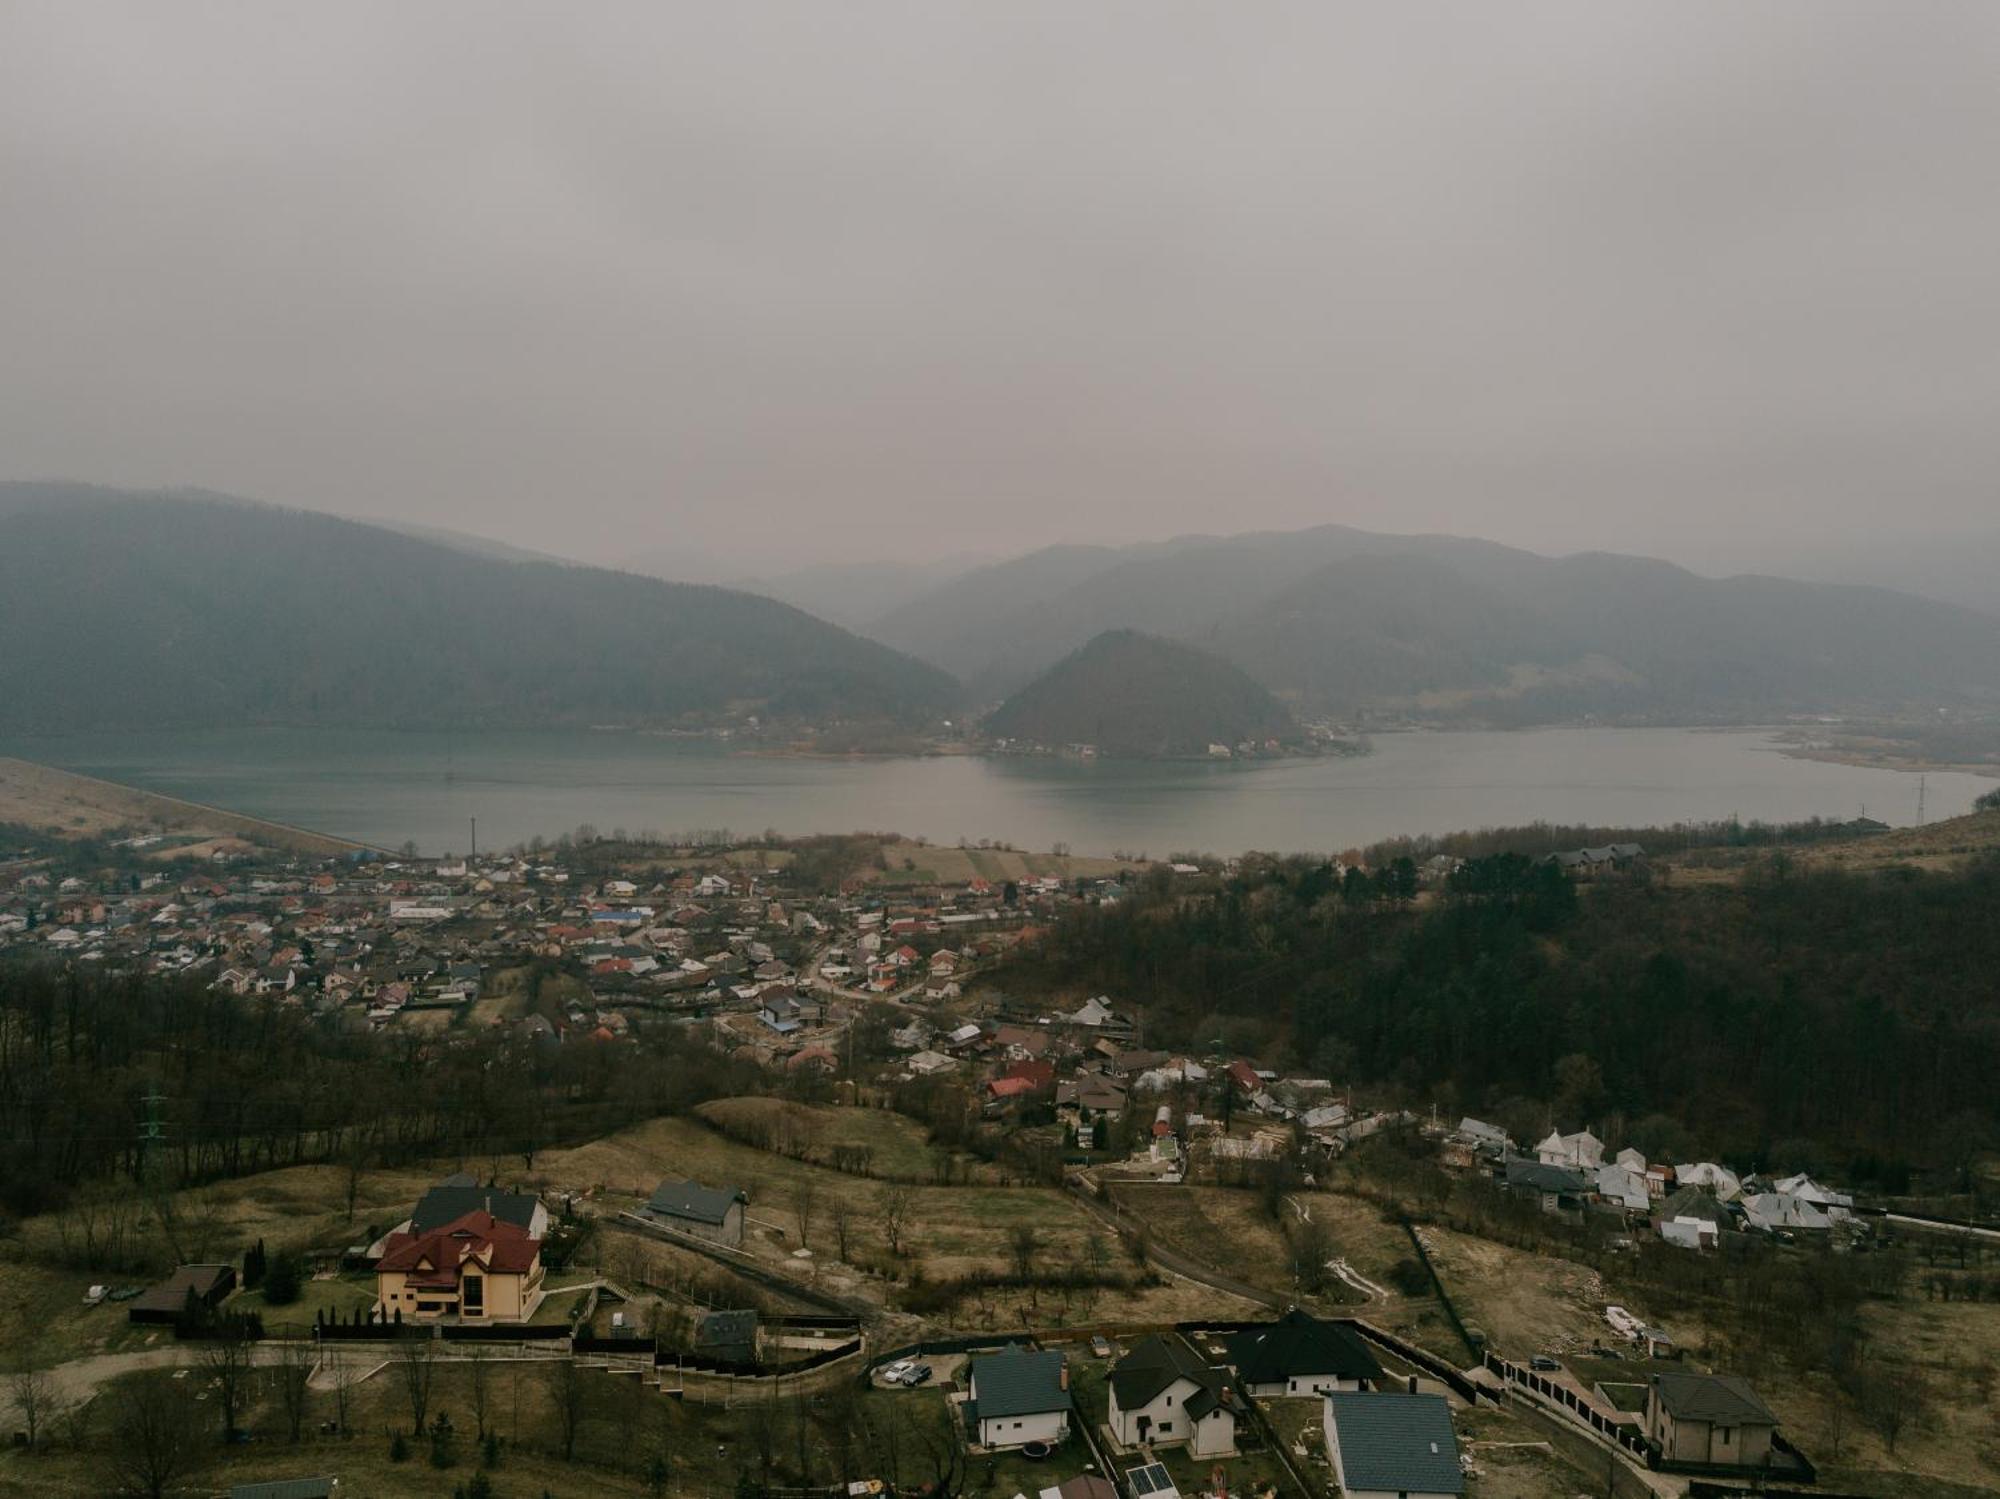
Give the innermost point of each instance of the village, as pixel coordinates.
(1019, 1248)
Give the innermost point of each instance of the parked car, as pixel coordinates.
(917, 1376)
(1101, 1346)
(899, 1371)
(1544, 1364)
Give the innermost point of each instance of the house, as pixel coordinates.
(1485, 1139)
(458, 1195)
(209, 1284)
(1017, 1396)
(1692, 1218)
(1559, 1189)
(477, 1268)
(1083, 1486)
(1720, 1180)
(1768, 1212)
(928, 1063)
(1582, 1150)
(1623, 1187)
(711, 1213)
(1162, 1393)
(1301, 1354)
(1392, 1446)
(1710, 1419)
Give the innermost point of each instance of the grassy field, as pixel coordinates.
(896, 1146)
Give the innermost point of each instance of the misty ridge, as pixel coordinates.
(210, 611)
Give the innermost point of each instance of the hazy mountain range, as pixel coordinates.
(1339, 621)
(181, 608)
(123, 610)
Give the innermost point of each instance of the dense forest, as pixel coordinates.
(1801, 1019)
(129, 610)
(241, 1086)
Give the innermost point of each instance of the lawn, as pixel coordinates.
(338, 1296)
(896, 1146)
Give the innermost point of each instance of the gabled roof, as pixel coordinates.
(1016, 1382)
(1725, 1398)
(1155, 1364)
(1540, 1178)
(1399, 1443)
(498, 1245)
(1299, 1344)
(687, 1199)
(456, 1196)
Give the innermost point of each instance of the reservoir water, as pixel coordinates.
(387, 787)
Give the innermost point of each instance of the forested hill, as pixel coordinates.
(1133, 695)
(122, 610)
(1341, 621)
(1837, 1021)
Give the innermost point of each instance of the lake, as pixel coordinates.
(385, 787)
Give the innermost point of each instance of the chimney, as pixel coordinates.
(1062, 1378)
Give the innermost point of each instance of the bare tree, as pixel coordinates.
(480, 1367)
(341, 1375)
(294, 1368)
(1022, 1241)
(33, 1392)
(225, 1359)
(894, 1208)
(416, 1357)
(843, 1225)
(152, 1444)
(805, 1194)
(566, 1389)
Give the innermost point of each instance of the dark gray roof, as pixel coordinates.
(1537, 1177)
(209, 1282)
(692, 1200)
(1694, 1202)
(453, 1199)
(1018, 1383)
(1156, 1363)
(1724, 1398)
(1299, 1343)
(1401, 1443)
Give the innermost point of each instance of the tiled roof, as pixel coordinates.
(499, 1245)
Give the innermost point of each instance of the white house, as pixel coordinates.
(1582, 1150)
(1162, 1393)
(1017, 1396)
(1392, 1446)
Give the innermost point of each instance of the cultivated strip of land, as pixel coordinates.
(63, 802)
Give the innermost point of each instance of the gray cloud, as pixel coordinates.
(770, 283)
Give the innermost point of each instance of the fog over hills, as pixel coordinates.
(1337, 620)
(141, 610)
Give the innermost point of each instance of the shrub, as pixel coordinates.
(282, 1278)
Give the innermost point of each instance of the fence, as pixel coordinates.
(1572, 1405)
(1472, 1349)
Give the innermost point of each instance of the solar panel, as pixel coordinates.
(1150, 1479)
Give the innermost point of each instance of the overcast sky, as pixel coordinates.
(763, 284)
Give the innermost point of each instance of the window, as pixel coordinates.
(1166, 1426)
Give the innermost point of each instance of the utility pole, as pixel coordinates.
(475, 837)
(1922, 781)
